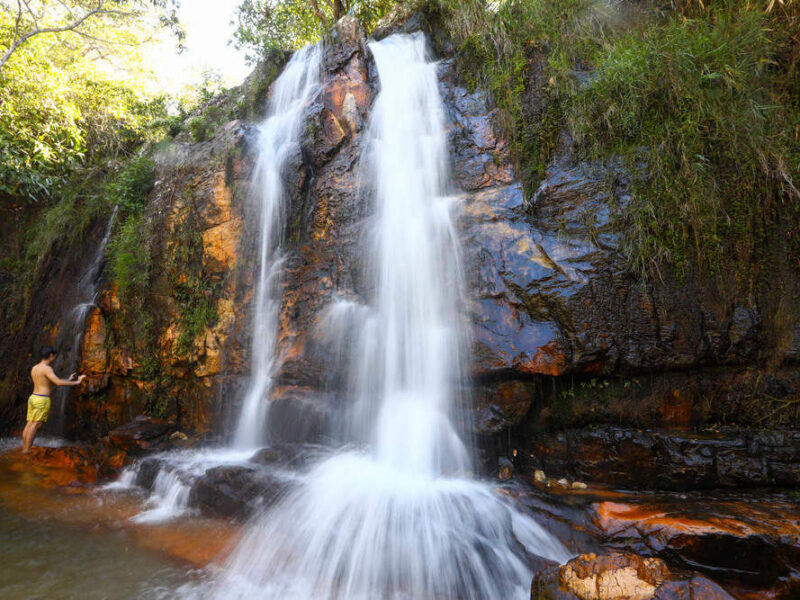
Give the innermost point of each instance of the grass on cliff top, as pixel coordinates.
(702, 101)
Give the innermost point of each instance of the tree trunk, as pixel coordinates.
(339, 9)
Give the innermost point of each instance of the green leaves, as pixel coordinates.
(291, 24)
(73, 99)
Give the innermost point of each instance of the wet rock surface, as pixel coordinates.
(747, 542)
(70, 466)
(671, 460)
(236, 491)
(621, 576)
(141, 434)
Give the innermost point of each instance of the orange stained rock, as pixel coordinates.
(54, 467)
(220, 246)
(197, 541)
(94, 350)
(615, 517)
(676, 410)
(548, 360)
(222, 197)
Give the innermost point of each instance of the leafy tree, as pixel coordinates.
(291, 24)
(72, 98)
(83, 18)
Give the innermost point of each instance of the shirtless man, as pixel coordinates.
(44, 382)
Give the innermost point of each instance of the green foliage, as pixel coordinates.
(703, 104)
(129, 260)
(63, 105)
(500, 47)
(291, 24)
(198, 128)
(701, 100)
(130, 188)
(128, 255)
(197, 301)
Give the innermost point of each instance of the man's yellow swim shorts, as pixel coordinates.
(38, 408)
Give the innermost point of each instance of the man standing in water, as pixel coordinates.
(45, 381)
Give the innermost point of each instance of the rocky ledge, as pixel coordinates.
(669, 460)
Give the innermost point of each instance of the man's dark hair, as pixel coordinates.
(47, 351)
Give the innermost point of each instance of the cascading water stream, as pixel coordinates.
(398, 519)
(74, 322)
(278, 140)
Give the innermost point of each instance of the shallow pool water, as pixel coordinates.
(46, 559)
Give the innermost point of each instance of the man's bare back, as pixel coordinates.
(44, 378)
(45, 381)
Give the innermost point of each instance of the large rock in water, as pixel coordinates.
(620, 576)
(236, 491)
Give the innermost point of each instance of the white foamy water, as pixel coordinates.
(400, 519)
(168, 498)
(278, 141)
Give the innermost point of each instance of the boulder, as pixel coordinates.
(143, 433)
(236, 491)
(620, 576)
(750, 541)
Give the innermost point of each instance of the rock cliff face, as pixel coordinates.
(562, 332)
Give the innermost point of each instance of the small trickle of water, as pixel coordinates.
(74, 322)
(278, 140)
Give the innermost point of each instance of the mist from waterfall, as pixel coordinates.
(277, 141)
(397, 516)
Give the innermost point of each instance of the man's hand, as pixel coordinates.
(73, 377)
(81, 378)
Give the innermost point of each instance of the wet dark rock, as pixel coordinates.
(671, 460)
(300, 415)
(400, 19)
(235, 491)
(502, 404)
(621, 576)
(747, 542)
(739, 539)
(289, 455)
(148, 469)
(143, 433)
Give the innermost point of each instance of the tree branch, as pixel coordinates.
(19, 40)
(318, 12)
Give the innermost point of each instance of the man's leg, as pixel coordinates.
(26, 436)
(35, 425)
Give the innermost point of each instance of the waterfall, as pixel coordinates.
(411, 348)
(278, 140)
(74, 320)
(398, 518)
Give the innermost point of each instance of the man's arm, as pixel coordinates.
(51, 375)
